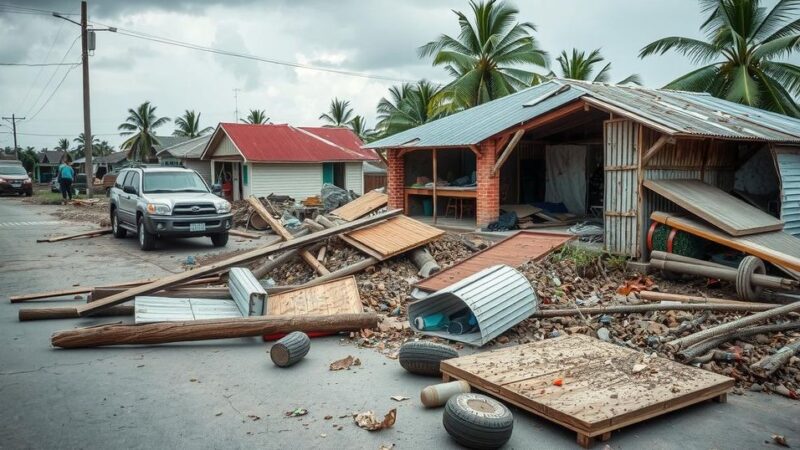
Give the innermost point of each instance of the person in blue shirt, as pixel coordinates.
(66, 174)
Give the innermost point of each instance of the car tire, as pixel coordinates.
(118, 231)
(477, 421)
(219, 239)
(147, 240)
(28, 193)
(423, 358)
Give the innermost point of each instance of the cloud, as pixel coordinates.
(245, 71)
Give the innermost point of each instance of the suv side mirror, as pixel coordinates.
(129, 190)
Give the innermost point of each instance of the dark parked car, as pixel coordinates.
(14, 180)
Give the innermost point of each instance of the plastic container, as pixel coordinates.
(438, 394)
(427, 207)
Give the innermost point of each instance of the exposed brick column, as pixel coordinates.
(395, 179)
(488, 207)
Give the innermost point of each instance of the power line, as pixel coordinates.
(54, 92)
(41, 68)
(58, 134)
(39, 64)
(49, 80)
(30, 10)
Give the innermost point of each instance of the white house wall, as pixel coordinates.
(296, 180)
(226, 148)
(354, 177)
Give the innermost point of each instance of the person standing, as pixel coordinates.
(65, 176)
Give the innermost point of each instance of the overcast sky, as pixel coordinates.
(378, 37)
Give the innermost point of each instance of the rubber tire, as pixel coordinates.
(119, 232)
(745, 289)
(219, 239)
(147, 241)
(477, 429)
(423, 358)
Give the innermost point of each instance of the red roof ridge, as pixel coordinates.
(352, 152)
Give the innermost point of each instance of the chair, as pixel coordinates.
(452, 205)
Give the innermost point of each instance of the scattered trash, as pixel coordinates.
(399, 398)
(345, 363)
(438, 394)
(558, 382)
(780, 440)
(369, 422)
(297, 412)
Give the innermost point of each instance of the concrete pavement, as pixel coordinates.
(227, 394)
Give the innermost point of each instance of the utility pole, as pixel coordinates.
(236, 102)
(87, 117)
(13, 119)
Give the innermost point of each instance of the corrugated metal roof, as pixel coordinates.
(149, 309)
(673, 112)
(499, 297)
(191, 149)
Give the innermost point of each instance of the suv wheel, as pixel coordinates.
(119, 232)
(147, 241)
(219, 239)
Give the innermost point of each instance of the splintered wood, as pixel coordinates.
(335, 297)
(587, 385)
(392, 237)
(367, 203)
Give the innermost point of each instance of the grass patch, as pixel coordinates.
(48, 198)
(581, 256)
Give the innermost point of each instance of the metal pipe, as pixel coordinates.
(628, 309)
(757, 279)
(693, 352)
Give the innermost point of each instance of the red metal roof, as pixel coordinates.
(284, 143)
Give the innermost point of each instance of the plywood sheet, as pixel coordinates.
(394, 236)
(600, 389)
(334, 297)
(777, 247)
(360, 207)
(724, 211)
(517, 249)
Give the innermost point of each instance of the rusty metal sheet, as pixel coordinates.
(517, 249)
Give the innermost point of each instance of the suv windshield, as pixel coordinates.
(173, 182)
(12, 170)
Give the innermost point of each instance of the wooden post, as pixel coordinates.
(507, 152)
(68, 312)
(435, 178)
(198, 330)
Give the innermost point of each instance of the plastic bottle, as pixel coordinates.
(438, 394)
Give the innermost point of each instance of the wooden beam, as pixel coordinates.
(503, 140)
(656, 147)
(244, 234)
(475, 149)
(286, 235)
(92, 233)
(183, 277)
(199, 330)
(547, 118)
(507, 152)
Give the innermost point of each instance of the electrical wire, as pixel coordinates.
(49, 80)
(38, 65)
(29, 10)
(42, 66)
(52, 93)
(57, 134)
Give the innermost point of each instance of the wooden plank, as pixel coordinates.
(716, 206)
(507, 152)
(394, 236)
(244, 234)
(93, 233)
(334, 297)
(516, 249)
(286, 235)
(521, 210)
(777, 247)
(600, 391)
(172, 280)
(362, 206)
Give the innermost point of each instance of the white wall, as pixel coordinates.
(354, 177)
(202, 167)
(296, 180)
(226, 148)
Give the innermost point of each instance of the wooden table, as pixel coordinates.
(441, 191)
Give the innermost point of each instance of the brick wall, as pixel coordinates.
(395, 182)
(488, 190)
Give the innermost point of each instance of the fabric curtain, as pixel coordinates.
(566, 176)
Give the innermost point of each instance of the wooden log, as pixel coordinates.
(180, 278)
(286, 235)
(726, 274)
(321, 254)
(244, 234)
(26, 314)
(325, 222)
(313, 226)
(629, 309)
(92, 233)
(424, 261)
(769, 364)
(198, 330)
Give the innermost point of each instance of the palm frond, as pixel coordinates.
(697, 50)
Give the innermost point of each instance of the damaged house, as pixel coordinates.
(592, 150)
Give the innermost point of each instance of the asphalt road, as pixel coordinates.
(227, 394)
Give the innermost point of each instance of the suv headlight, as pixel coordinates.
(159, 209)
(223, 206)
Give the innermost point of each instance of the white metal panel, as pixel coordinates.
(165, 309)
(354, 177)
(225, 148)
(202, 167)
(621, 187)
(296, 180)
(788, 161)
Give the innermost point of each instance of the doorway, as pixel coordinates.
(334, 173)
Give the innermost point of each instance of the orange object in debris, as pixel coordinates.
(635, 285)
(558, 382)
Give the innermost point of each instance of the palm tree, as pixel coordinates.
(579, 66)
(359, 126)
(409, 106)
(188, 125)
(339, 113)
(486, 57)
(256, 117)
(102, 149)
(80, 149)
(63, 144)
(140, 126)
(740, 58)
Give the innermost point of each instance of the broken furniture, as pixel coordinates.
(498, 297)
(519, 248)
(587, 385)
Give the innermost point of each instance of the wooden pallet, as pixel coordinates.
(392, 237)
(334, 297)
(514, 250)
(600, 391)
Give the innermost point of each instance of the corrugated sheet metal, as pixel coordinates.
(683, 113)
(295, 180)
(499, 297)
(247, 292)
(165, 309)
(191, 149)
(621, 187)
(480, 122)
(789, 169)
(354, 177)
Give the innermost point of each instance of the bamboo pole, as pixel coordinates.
(198, 330)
